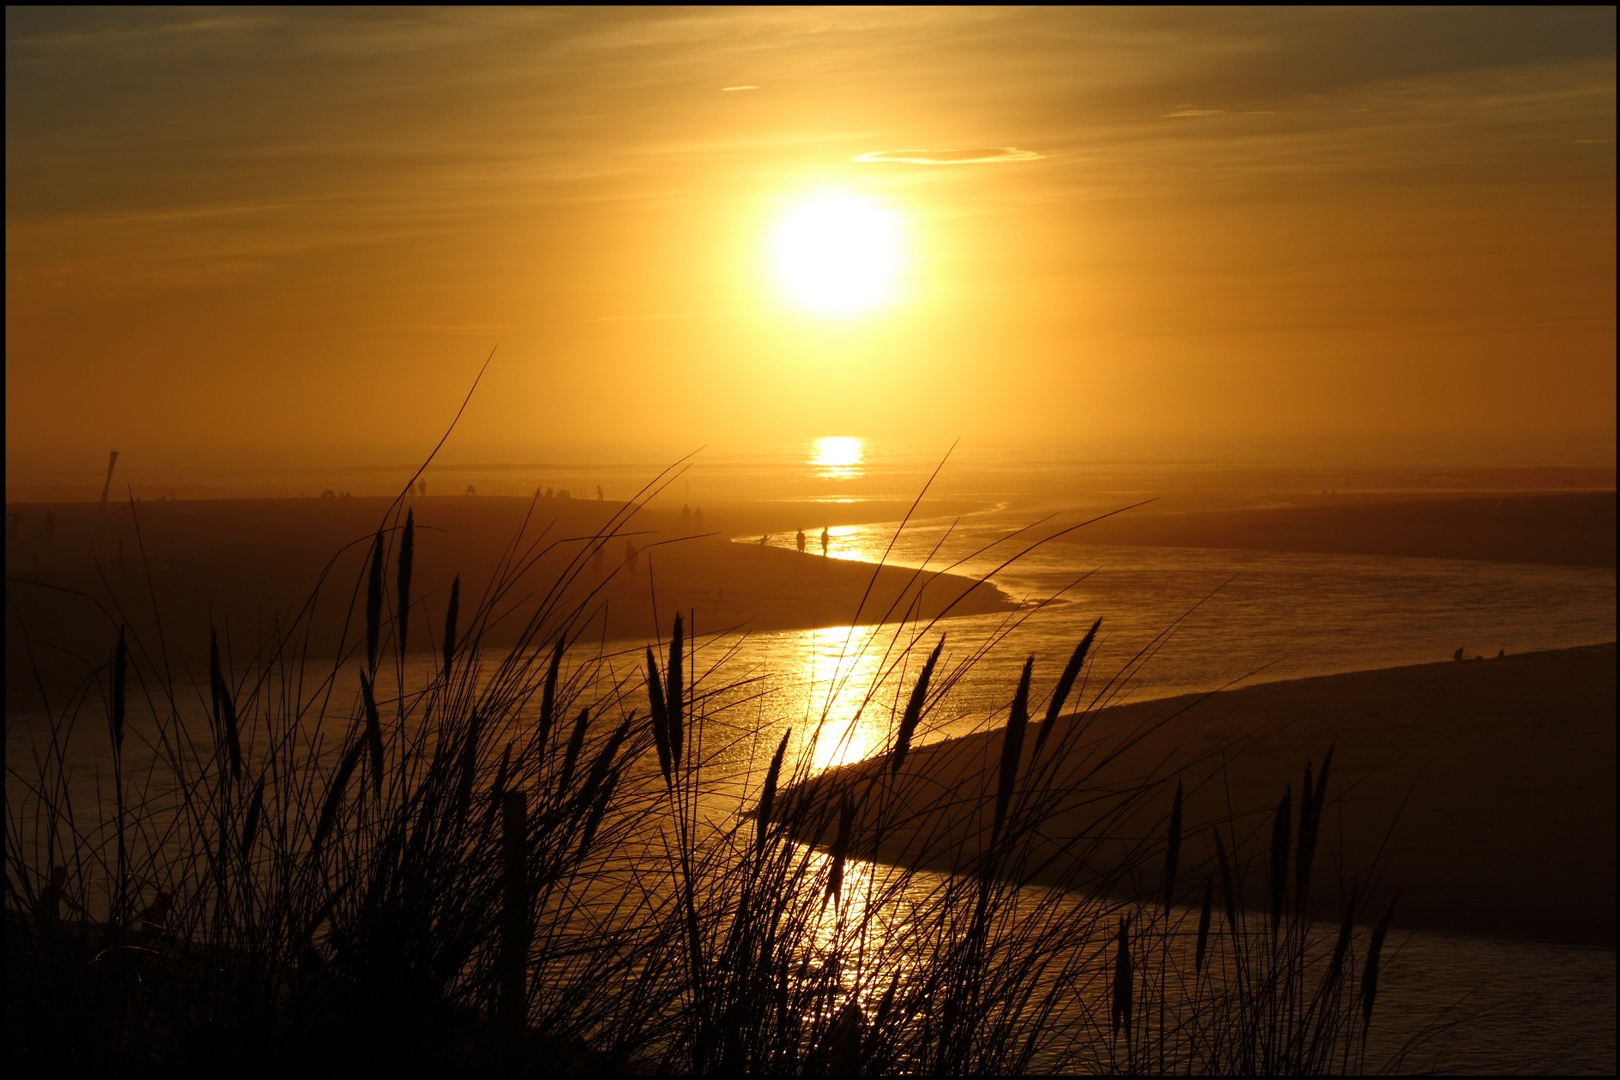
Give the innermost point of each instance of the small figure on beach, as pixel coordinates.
(598, 492)
(1458, 654)
(766, 539)
(826, 538)
(801, 541)
(421, 489)
(686, 518)
(1500, 653)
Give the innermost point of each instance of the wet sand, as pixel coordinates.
(238, 564)
(1576, 529)
(1483, 790)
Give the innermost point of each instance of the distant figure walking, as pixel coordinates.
(826, 539)
(598, 492)
(801, 541)
(764, 539)
(1458, 654)
(686, 518)
(421, 489)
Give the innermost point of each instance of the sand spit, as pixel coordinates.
(74, 572)
(1484, 790)
(1566, 529)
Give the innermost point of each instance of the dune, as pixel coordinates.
(1483, 791)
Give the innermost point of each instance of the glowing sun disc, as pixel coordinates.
(837, 254)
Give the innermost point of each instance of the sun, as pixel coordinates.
(837, 255)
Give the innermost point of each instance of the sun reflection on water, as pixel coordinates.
(839, 666)
(838, 457)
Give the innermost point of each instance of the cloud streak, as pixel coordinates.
(984, 156)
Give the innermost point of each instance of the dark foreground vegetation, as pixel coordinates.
(547, 858)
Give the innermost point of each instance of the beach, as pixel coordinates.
(1562, 529)
(76, 571)
(1482, 792)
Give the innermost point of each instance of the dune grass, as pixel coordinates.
(539, 860)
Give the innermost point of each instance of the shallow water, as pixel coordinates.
(1484, 1005)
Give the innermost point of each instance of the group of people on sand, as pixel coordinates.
(801, 540)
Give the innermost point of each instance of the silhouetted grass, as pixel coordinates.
(501, 891)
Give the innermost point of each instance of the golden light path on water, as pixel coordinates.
(838, 457)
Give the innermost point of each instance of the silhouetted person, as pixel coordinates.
(598, 492)
(421, 488)
(800, 540)
(1501, 653)
(1458, 654)
(550, 494)
(471, 490)
(686, 518)
(826, 538)
(764, 539)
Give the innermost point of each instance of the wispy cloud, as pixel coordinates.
(729, 89)
(984, 156)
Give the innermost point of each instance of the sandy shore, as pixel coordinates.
(1483, 790)
(1576, 529)
(240, 563)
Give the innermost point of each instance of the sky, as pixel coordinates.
(303, 232)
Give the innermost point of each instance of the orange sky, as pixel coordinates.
(271, 229)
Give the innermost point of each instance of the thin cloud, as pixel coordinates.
(988, 156)
(729, 89)
(1197, 112)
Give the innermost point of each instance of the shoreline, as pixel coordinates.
(1484, 790)
(239, 564)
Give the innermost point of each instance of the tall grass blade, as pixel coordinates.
(660, 718)
(374, 587)
(1124, 980)
(548, 696)
(1203, 923)
(1369, 974)
(334, 796)
(407, 553)
(450, 625)
(675, 687)
(768, 796)
(1071, 671)
(1012, 744)
(120, 664)
(576, 742)
(914, 707)
(374, 737)
(1172, 851)
(1279, 858)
